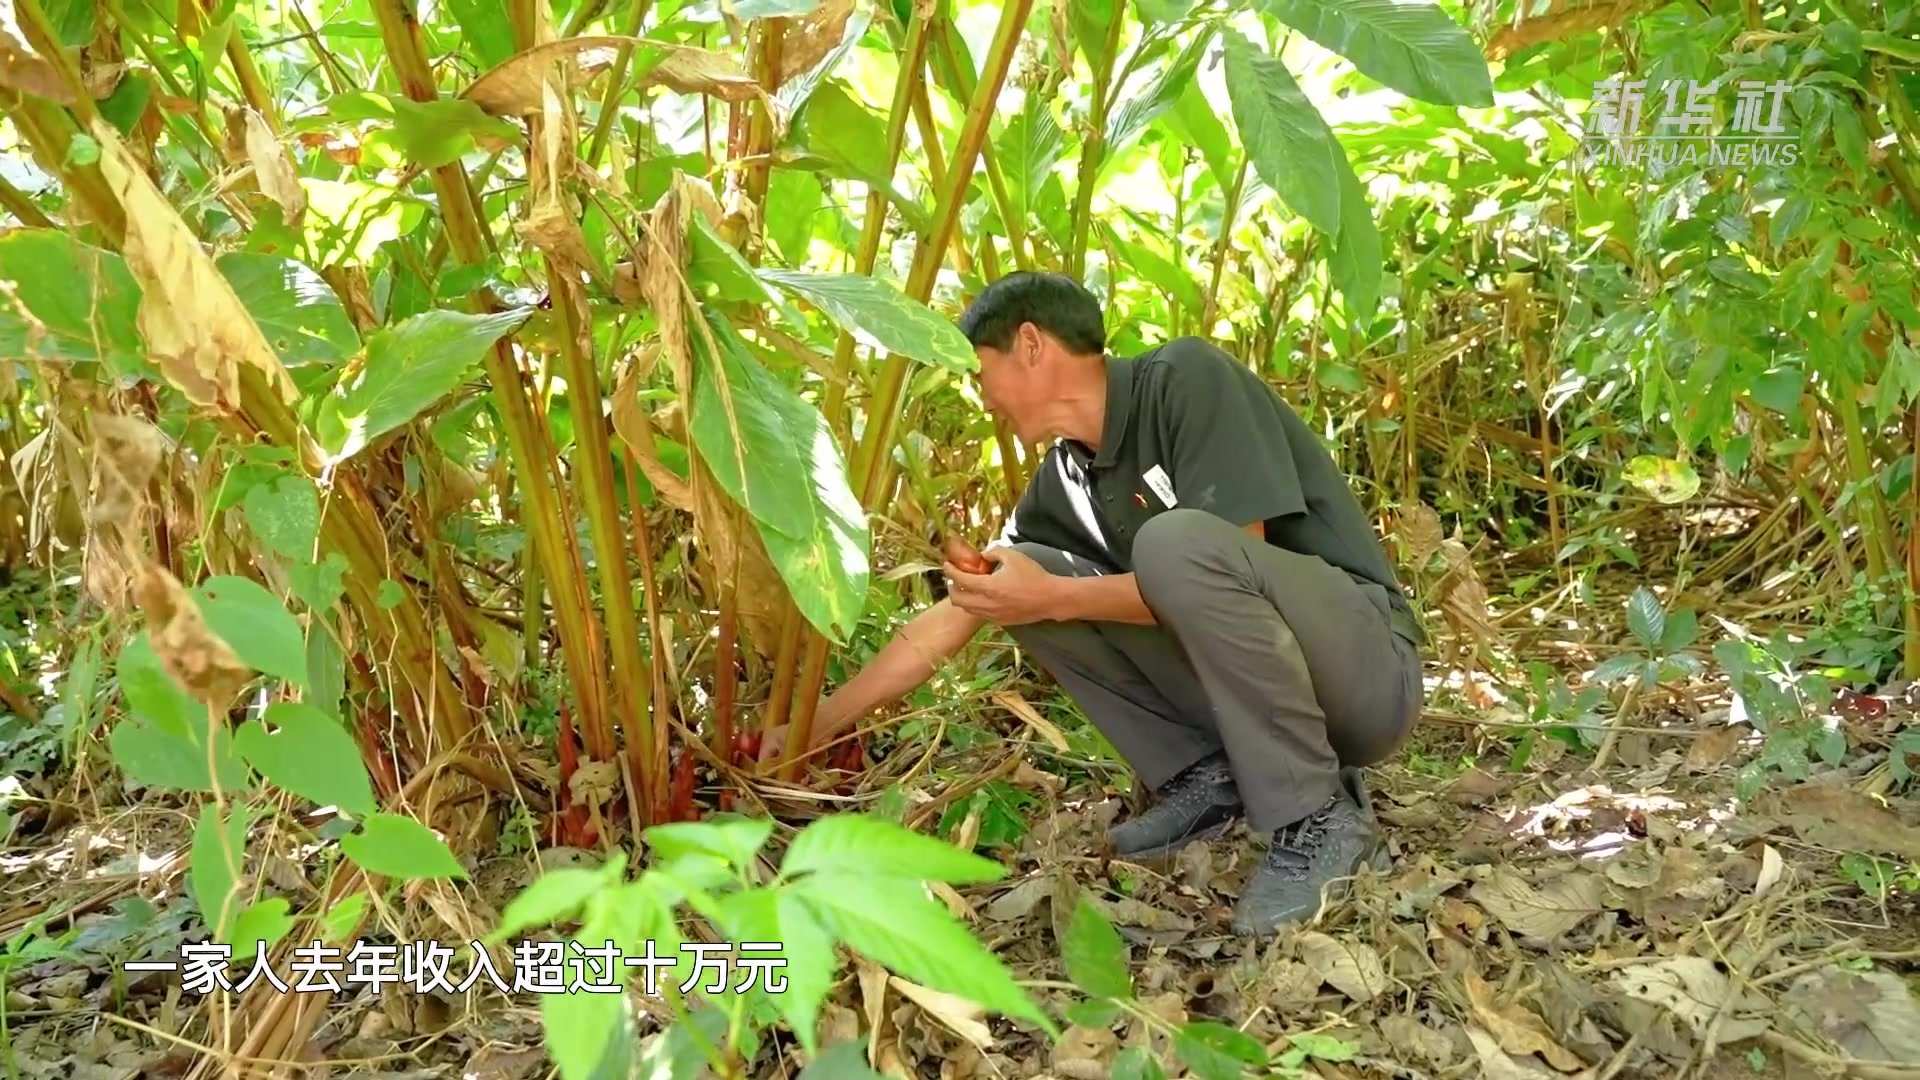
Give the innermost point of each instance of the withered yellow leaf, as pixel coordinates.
(196, 329)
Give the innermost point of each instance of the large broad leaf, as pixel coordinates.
(163, 743)
(400, 847)
(1293, 149)
(215, 864)
(773, 453)
(1095, 953)
(1355, 259)
(297, 310)
(1139, 110)
(805, 953)
(255, 624)
(1027, 149)
(80, 303)
(427, 133)
(895, 922)
(408, 368)
(880, 315)
(874, 845)
(309, 754)
(1410, 46)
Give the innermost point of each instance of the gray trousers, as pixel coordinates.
(1283, 660)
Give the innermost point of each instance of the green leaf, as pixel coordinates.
(1164, 11)
(337, 922)
(255, 624)
(1355, 259)
(297, 310)
(1646, 619)
(1681, 628)
(84, 300)
(845, 1060)
(1412, 47)
(310, 755)
(735, 838)
(769, 916)
(409, 367)
(164, 743)
(215, 864)
(285, 515)
(1615, 668)
(1096, 955)
(1900, 48)
(262, 924)
(1027, 150)
(1096, 1013)
(1137, 1063)
(1666, 479)
(773, 454)
(838, 128)
(864, 843)
(1215, 1051)
(896, 923)
(589, 1035)
(557, 895)
(880, 315)
(319, 585)
(679, 1053)
(1323, 1047)
(400, 847)
(1293, 149)
(427, 133)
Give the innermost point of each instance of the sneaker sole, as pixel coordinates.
(1175, 845)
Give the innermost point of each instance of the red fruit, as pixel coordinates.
(962, 555)
(747, 745)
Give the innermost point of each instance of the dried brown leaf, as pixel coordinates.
(1351, 967)
(1495, 1063)
(1019, 706)
(1709, 750)
(1848, 820)
(24, 70)
(196, 329)
(1421, 533)
(957, 1014)
(1519, 1030)
(1694, 990)
(1431, 1049)
(1543, 914)
(1463, 599)
(126, 452)
(199, 660)
(812, 36)
(873, 997)
(1019, 901)
(273, 169)
(514, 87)
(1291, 985)
(1869, 1015)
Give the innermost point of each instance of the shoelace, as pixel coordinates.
(1294, 845)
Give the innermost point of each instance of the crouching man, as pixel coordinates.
(1191, 566)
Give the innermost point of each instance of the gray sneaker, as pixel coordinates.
(1197, 804)
(1330, 844)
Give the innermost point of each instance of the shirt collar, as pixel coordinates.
(1113, 426)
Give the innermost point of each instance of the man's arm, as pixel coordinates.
(899, 668)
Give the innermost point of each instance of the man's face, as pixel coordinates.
(1011, 385)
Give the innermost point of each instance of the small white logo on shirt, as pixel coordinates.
(1156, 479)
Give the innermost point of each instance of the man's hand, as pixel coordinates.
(1018, 592)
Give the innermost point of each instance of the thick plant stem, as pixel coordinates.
(554, 542)
(833, 403)
(15, 202)
(873, 465)
(1227, 216)
(1095, 147)
(594, 459)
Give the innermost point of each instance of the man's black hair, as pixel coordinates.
(1053, 302)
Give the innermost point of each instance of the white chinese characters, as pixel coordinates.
(538, 967)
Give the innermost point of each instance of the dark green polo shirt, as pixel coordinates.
(1189, 426)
